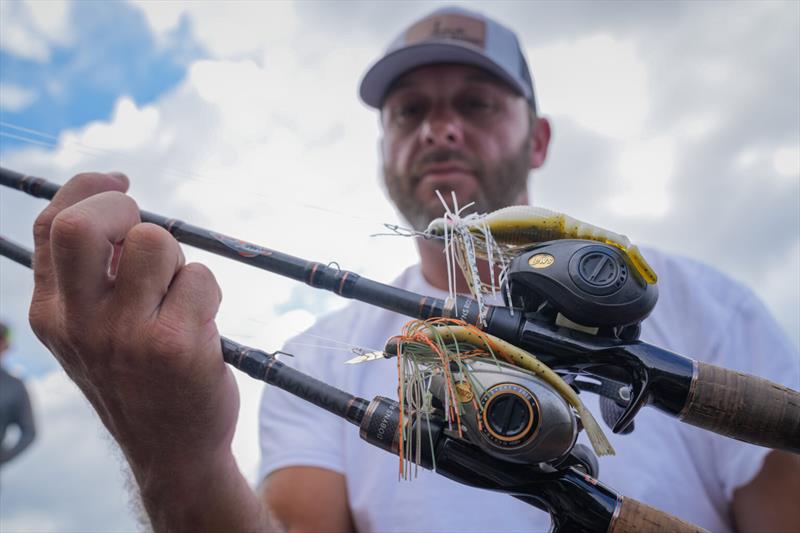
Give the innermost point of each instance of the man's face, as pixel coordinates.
(457, 128)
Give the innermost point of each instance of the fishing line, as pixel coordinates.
(336, 341)
(353, 350)
(75, 146)
(27, 140)
(62, 143)
(334, 344)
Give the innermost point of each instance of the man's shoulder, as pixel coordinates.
(696, 303)
(9, 377)
(11, 385)
(693, 281)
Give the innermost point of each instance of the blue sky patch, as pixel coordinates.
(112, 54)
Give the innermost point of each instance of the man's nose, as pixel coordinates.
(442, 128)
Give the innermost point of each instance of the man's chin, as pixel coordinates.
(420, 215)
(434, 207)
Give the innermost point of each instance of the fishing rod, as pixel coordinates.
(723, 401)
(568, 490)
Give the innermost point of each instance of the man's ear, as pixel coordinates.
(540, 141)
(381, 137)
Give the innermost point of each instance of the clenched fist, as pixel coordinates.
(133, 325)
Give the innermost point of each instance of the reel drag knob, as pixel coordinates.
(510, 414)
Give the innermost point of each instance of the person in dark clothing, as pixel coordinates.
(15, 407)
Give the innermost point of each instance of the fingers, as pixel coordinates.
(82, 237)
(80, 187)
(150, 259)
(82, 268)
(193, 300)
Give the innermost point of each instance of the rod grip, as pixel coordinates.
(744, 407)
(633, 516)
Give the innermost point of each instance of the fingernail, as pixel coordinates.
(119, 176)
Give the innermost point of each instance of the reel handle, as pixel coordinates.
(743, 407)
(632, 516)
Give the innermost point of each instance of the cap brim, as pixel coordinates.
(382, 74)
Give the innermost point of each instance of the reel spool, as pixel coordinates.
(521, 419)
(592, 285)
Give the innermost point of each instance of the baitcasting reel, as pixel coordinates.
(515, 416)
(586, 286)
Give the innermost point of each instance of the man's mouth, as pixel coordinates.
(444, 171)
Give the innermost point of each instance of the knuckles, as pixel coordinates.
(200, 276)
(86, 177)
(93, 180)
(41, 226)
(70, 227)
(149, 238)
(40, 318)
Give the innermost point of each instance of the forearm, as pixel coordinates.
(200, 495)
(769, 501)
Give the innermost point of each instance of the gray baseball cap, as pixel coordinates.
(450, 35)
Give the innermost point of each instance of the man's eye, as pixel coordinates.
(478, 105)
(408, 111)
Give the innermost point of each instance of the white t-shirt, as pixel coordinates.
(677, 468)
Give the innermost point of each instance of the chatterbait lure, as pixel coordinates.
(442, 346)
(466, 334)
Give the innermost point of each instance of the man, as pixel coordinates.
(458, 116)
(15, 407)
(458, 113)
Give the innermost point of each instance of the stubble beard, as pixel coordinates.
(500, 186)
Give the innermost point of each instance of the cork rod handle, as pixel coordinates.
(634, 517)
(744, 407)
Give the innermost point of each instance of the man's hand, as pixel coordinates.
(133, 326)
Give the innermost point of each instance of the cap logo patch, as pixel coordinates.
(449, 26)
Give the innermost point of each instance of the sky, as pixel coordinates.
(676, 123)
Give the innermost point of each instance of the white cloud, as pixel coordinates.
(38, 25)
(226, 29)
(50, 17)
(19, 41)
(245, 441)
(129, 128)
(787, 161)
(696, 126)
(645, 170)
(599, 81)
(747, 158)
(15, 98)
(162, 16)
